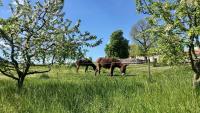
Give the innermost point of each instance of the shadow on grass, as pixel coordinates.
(44, 76)
(126, 75)
(130, 75)
(197, 91)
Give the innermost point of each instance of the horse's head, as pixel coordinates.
(94, 67)
(123, 68)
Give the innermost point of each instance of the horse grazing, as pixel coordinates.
(84, 62)
(110, 63)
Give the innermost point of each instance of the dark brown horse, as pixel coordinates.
(110, 63)
(84, 62)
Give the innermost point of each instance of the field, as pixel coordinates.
(64, 91)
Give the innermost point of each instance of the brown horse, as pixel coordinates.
(110, 63)
(84, 62)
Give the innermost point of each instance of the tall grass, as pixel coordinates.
(65, 91)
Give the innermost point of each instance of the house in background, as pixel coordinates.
(139, 59)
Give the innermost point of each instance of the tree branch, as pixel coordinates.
(37, 72)
(9, 75)
(139, 41)
(44, 21)
(147, 6)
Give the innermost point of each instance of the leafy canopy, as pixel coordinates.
(176, 18)
(118, 46)
(135, 50)
(38, 29)
(142, 36)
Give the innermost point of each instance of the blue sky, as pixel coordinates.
(102, 17)
(99, 17)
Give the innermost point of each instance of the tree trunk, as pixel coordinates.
(64, 58)
(145, 58)
(52, 62)
(20, 82)
(149, 71)
(196, 80)
(195, 68)
(44, 59)
(196, 76)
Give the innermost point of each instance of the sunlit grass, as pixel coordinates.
(63, 90)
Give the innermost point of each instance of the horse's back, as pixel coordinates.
(106, 62)
(84, 62)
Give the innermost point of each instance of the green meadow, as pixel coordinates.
(62, 90)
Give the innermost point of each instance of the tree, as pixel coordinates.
(72, 45)
(142, 37)
(179, 18)
(25, 34)
(135, 50)
(118, 46)
(33, 30)
(1, 3)
(171, 50)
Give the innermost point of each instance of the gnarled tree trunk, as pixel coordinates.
(196, 76)
(20, 81)
(195, 67)
(196, 80)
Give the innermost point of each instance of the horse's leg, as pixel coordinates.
(96, 72)
(77, 68)
(86, 68)
(112, 67)
(97, 69)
